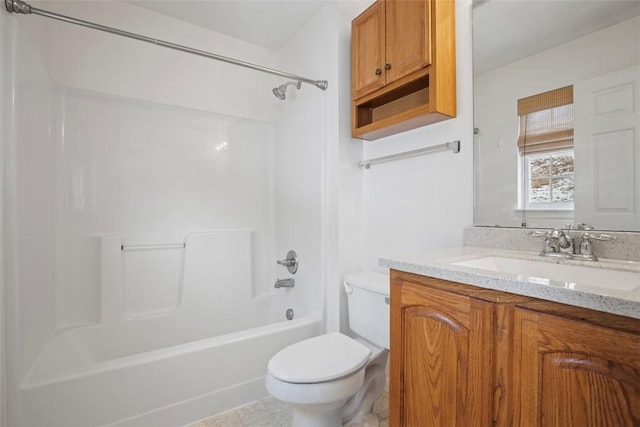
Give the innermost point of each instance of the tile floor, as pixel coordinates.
(270, 412)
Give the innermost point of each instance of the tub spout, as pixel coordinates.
(285, 283)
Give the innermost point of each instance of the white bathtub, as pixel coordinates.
(170, 386)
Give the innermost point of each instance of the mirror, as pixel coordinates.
(586, 173)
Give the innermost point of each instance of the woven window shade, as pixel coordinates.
(546, 121)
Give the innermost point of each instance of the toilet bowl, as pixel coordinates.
(333, 379)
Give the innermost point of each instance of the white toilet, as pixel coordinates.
(333, 380)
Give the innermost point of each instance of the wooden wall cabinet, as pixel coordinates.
(403, 66)
(390, 40)
(368, 50)
(462, 355)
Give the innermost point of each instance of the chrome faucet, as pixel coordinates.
(559, 243)
(586, 248)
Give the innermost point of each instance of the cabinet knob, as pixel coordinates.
(378, 71)
(387, 66)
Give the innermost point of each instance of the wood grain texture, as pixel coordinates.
(435, 367)
(576, 373)
(588, 391)
(444, 50)
(461, 289)
(367, 50)
(514, 360)
(408, 37)
(420, 40)
(396, 375)
(503, 365)
(440, 346)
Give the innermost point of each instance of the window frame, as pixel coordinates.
(524, 183)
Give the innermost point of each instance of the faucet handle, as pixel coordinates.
(291, 262)
(547, 246)
(586, 250)
(540, 233)
(583, 226)
(603, 237)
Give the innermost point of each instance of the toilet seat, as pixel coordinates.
(319, 359)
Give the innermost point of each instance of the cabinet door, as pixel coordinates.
(440, 351)
(408, 41)
(574, 373)
(367, 50)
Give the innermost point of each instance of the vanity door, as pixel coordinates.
(440, 357)
(575, 373)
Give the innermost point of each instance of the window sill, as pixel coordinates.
(545, 210)
(564, 214)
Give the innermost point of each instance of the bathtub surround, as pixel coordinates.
(155, 207)
(626, 246)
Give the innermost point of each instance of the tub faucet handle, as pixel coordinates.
(291, 262)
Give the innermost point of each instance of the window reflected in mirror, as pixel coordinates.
(545, 151)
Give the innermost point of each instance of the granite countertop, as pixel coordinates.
(608, 297)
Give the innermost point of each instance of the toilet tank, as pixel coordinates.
(368, 299)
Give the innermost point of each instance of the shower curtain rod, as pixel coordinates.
(21, 7)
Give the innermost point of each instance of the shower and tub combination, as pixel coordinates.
(143, 225)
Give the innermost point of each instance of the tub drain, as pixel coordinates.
(289, 314)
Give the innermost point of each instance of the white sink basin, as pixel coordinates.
(573, 276)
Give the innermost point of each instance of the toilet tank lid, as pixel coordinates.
(376, 282)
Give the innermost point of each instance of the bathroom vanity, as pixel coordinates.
(472, 346)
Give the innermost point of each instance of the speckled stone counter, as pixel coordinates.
(625, 247)
(624, 300)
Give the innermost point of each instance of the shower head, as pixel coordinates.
(280, 90)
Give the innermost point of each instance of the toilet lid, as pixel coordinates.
(319, 359)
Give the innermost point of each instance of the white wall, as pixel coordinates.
(497, 92)
(423, 203)
(348, 176)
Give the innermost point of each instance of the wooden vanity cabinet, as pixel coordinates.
(463, 355)
(403, 71)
